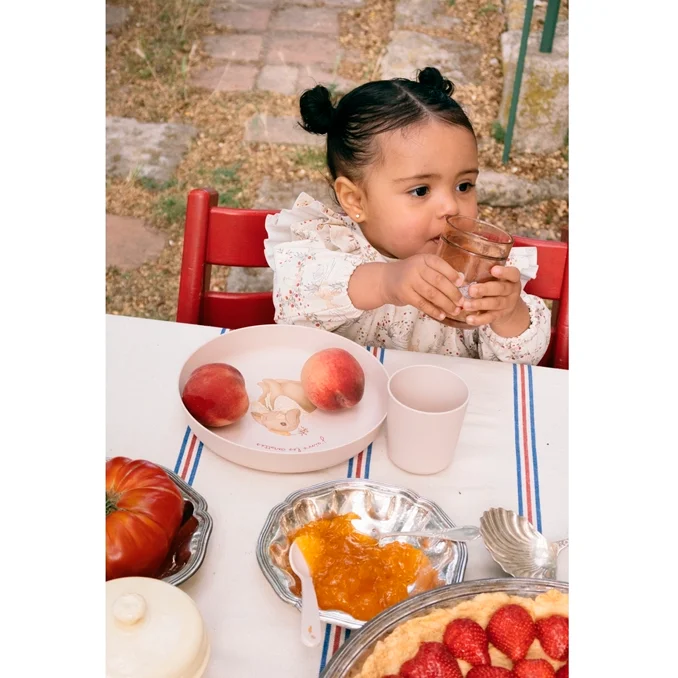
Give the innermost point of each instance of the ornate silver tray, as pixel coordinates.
(386, 507)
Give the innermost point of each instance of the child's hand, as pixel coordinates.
(498, 303)
(424, 281)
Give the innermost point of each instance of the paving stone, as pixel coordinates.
(249, 280)
(307, 19)
(409, 13)
(116, 17)
(276, 195)
(542, 114)
(514, 11)
(243, 47)
(281, 79)
(285, 49)
(242, 19)
(150, 149)
(408, 52)
(226, 78)
(130, 243)
(507, 190)
(310, 76)
(110, 39)
(262, 128)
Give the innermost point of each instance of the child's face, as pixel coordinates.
(426, 172)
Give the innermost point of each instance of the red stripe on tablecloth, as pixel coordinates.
(189, 456)
(526, 452)
(359, 465)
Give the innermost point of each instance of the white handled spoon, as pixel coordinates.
(464, 533)
(310, 614)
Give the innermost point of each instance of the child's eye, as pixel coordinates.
(465, 187)
(419, 191)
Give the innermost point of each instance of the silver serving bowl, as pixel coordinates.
(350, 658)
(190, 544)
(386, 507)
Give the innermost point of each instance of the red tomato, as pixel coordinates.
(143, 513)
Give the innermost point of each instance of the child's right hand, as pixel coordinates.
(426, 282)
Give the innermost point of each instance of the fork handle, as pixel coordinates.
(463, 533)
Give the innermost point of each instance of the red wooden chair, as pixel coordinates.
(224, 236)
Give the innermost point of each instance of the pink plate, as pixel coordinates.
(278, 433)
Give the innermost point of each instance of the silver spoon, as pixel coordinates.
(517, 547)
(464, 533)
(310, 614)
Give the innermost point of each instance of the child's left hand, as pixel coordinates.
(498, 303)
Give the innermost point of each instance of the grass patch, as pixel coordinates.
(311, 159)
(489, 7)
(172, 208)
(155, 186)
(498, 132)
(228, 184)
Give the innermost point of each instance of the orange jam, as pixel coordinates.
(353, 573)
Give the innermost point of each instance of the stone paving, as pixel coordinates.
(258, 48)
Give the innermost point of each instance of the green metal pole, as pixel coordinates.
(516, 83)
(550, 21)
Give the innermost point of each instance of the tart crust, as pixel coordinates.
(403, 643)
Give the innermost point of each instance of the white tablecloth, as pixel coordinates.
(512, 453)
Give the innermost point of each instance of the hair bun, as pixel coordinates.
(316, 110)
(433, 78)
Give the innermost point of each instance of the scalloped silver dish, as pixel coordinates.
(348, 661)
(199, 538)
(386, 507)
(516, 545)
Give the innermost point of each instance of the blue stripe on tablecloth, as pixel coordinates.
(535, 466)
(326, 646)
(196, 461)
(516, 426)
(180, 458)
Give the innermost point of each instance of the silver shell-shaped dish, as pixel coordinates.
(348, 661)
(386, 507)
(192, 537)
(516, 545)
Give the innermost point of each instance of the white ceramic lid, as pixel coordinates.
(153, 630)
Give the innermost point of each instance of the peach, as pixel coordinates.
(215, 394)
(333, 379)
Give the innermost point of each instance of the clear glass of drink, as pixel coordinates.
(472, 247)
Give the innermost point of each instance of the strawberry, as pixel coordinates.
(467, 640)
(563, 671)
(490, 672)
(512, 631)
(533, 668)
(554, 636)
(433, 660)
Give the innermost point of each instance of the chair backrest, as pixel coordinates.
(224, 236)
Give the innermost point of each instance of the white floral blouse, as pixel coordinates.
(313, 252)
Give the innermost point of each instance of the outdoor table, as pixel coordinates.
(512, 453)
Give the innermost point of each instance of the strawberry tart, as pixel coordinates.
(493, 635)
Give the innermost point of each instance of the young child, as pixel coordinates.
(403, 157)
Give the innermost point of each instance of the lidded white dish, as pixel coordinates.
(153, 630)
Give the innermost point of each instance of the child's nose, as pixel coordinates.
(449, 207)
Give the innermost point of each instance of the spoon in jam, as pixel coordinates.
(310, 614)
(463, 533)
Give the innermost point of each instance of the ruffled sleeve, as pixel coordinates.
(313, 252)
(530, 346)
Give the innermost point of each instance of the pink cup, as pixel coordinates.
(426, 408)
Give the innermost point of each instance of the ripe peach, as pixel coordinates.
(333, 379)
(215, 394)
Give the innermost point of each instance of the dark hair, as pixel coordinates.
(374, 108)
